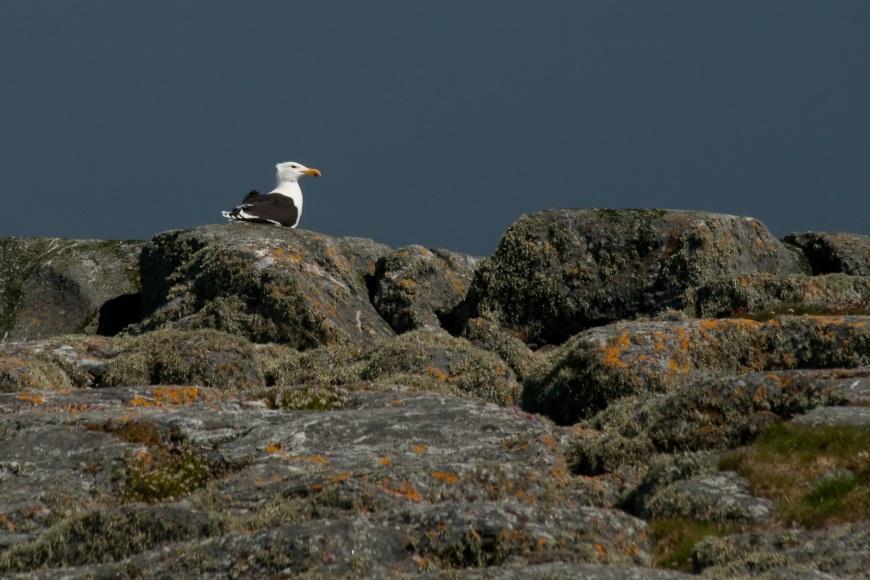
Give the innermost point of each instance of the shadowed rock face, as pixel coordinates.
(53, 286)
(414, 285)
(558, 272)
(266, 283)
(830, 253)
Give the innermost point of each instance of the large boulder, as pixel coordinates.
(269, 284)
(414, 285)
(54, 286)
(600, 365)
(558, 272)
(830, 253)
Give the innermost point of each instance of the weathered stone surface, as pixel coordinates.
(706, 414)
(429, 360)
(834, 252)
(414, 285)
(389, 482)
(840, 552)
(602, 364)
(555, 570)
(54, 286)
(269, 284)
(761, 295)
(717, 497)
(558, 272)
(836, 417)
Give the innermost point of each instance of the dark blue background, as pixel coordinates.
(434, 122)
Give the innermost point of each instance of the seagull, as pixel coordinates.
(282, 206)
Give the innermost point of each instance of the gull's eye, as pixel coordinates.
(295, 166)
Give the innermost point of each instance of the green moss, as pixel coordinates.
(306, 398)
(102, 536)
(163, 474)
(205, 357)
(674, 538)
(815, 475)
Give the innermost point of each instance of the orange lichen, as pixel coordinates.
(600, 549)
(437, 374)
(176, 395)
(420, 448)
(405, 490)
(384, 461)
(273, 448)
(340, 477)
(613, 352)
(446, 477)
(32, 398)
(549, 441)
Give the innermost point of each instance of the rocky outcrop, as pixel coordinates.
(294, 404)
(603, 364)
(413, 286)
(268, 284)
(52, 286)
(558, 272)
(766, 296)
(829, 253)
(406, 482)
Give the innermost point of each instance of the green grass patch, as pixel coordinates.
(674, 538)
(816, 476)
(159, 474)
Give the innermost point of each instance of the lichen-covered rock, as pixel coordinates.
(425, 359)
(414, 285)
(716, 497)
(200, 357)
(488, 335)
(385, 482)
(574, 570)
(164, 357)
(763, 295)
(834, 252)
(558, 272)
(28, 373)
(838, 552)
(706, 414)
(603, 364)
(54, 286)
(269, 284)
(858, 416)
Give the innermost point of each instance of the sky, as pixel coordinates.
(437, 123)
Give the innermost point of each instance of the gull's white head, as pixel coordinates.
(292, 171)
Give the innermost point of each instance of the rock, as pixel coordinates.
(54, 286)
(600, 365)
(429, 360)
(268, 284)
(718, 413)
(552, 570)
(717, 497)
(187, 357)
(488, 335)
(205, 358)
(414, 285)
(836, 417)
(834, 252)
(388, 481)
(840, 551)
(765, 295)
(558, 272)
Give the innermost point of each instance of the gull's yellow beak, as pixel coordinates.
(312, 172)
